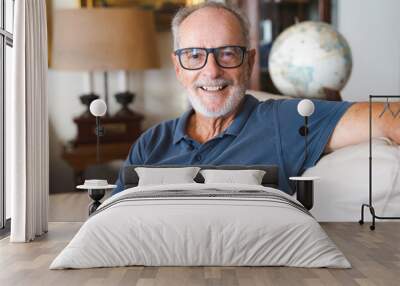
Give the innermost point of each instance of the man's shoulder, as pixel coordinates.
(264, 107)
(286, 108)
(290, 103)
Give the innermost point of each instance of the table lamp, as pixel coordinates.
(305, 108)
(97, 188)
(104, 39)
(98, 108)
(305, 185)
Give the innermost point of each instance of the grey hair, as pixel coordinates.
(184, 12)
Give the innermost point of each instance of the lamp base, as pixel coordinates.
(86, 99)
(96, 195)
(116, 129)
(125, 98)
(305, 193)
(305, 190)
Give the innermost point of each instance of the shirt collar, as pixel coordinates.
(248, 104)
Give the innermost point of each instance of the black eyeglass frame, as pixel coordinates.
(178, 53)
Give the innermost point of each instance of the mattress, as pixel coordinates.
(201, 225)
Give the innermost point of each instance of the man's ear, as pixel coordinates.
(177, 65)
(251, 59)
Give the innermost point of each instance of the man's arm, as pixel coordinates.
(353, 127)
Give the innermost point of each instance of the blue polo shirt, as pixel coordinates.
(265, 132)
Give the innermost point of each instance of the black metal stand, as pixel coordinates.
(304, 187)
(305, 193)
(370, 204)
(96, 195)
(99, 133)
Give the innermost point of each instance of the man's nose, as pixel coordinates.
(212, 69)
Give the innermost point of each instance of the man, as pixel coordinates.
(213, 62)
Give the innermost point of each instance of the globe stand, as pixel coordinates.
(332, 95)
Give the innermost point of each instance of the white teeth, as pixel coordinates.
(212, 88)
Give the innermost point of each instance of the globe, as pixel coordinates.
(308, 57)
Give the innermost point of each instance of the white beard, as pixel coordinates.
(231, 103)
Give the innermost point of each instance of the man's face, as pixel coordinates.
(214, 91)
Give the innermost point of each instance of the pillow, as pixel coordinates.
(162, 176)
(248, 177)
(270, 179)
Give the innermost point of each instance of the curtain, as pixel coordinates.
(27, 143)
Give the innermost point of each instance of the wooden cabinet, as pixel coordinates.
(80, 157)
(116, 129)
(119, 135)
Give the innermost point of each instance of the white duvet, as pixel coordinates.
(182, 231)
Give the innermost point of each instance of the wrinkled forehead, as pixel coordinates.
(210, 28)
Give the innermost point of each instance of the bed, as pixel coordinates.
(201, 224)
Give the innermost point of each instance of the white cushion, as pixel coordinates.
(162, 176)
(343, 186)
(248, 177)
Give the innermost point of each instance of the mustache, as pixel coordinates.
(213, 82)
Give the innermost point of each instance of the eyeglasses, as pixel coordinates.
(196, 58)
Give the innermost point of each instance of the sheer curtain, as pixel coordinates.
(27, 146)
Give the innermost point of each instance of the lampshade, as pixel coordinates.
(91, 39)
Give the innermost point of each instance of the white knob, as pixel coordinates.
(98, 107)
(305, 107)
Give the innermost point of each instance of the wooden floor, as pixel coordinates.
(71, 206)
(374, 255)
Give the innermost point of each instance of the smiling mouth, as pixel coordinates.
(213, 88)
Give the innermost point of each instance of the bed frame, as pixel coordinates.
(131, 179)
(305, 192)
(270, 178)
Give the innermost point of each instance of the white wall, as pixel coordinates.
(372, 28)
